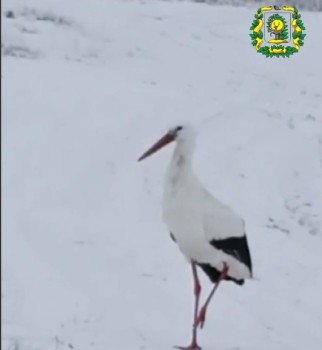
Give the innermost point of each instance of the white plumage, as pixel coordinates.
(209, 233)
(194, 216)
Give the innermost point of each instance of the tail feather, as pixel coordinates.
(214, 274)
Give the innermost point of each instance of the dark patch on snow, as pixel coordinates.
(9, 14)
(33, 14)
(18, 51)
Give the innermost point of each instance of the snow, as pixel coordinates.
(312, 5)
(87, 261)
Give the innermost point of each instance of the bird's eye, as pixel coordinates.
(178, 128)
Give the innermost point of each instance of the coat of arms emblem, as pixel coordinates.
(277, 32)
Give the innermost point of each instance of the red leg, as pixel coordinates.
(197, 289)
(202, 314)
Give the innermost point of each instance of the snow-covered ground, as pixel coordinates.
(87, 87)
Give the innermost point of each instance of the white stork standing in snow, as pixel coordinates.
(209, 234)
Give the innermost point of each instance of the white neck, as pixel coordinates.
(180, 168)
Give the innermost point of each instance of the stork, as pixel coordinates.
(209, 234)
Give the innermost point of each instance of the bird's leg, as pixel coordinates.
(197, 289)
(202, 314)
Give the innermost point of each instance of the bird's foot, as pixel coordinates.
(201, 317)
(193, 346)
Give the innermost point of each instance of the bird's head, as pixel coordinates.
(182, 134)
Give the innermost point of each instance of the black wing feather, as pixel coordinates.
(236, 247)
(214, 274)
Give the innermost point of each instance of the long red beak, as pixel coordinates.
(167, 138)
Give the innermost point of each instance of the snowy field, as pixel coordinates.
(87, 263)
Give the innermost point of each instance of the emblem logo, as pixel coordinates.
(277, 32)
